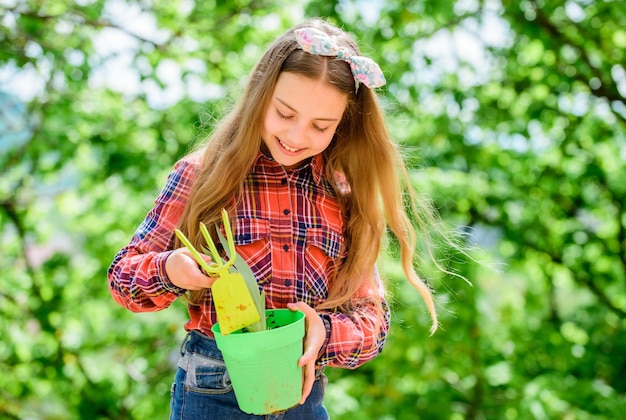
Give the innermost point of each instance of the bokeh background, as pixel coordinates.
(512, 116)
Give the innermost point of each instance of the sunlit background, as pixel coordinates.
(511, 115)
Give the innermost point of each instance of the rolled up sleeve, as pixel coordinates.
(357, 337)
(137, 277)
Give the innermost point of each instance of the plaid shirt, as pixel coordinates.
(288, 228)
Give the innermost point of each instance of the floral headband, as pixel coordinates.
(365, 70)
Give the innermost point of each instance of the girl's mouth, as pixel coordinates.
(287, 148)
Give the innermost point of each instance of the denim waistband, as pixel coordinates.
(199, 343)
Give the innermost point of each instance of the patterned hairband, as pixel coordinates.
(365, 70)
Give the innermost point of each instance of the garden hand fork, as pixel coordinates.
(234, 304)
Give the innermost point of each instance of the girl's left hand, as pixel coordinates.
(313, 342)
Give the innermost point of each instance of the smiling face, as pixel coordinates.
(301, 118)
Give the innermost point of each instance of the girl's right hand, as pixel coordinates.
(184, 272)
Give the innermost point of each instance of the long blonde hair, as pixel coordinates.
(362, 150)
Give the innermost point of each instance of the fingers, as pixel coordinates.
(308, 381)
(309, 355)
(315, 332)
(313, 342)
(186, 252)
(184, 272)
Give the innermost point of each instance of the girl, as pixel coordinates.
(311, 178)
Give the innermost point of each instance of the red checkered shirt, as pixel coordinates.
(289, 230)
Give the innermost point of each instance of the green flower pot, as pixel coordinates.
(263, 366)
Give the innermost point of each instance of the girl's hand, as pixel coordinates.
(184, 272)
(313, 342)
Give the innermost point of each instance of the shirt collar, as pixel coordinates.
(316, 163)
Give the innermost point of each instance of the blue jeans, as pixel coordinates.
(202, 388)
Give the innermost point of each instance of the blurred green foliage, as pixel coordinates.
(513, 118)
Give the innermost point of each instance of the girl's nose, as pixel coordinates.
(297, 134)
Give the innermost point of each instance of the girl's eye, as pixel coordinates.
(288, 117)
(320, 129)
(281, 115)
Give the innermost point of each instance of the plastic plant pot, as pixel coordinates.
(263, 366)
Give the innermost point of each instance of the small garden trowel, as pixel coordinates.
(235, 306)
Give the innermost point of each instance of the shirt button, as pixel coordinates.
(283, 181)
(286, 247)
(286, 212)
(287, 282)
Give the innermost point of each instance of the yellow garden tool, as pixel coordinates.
(238, 302)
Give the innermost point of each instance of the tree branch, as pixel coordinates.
(80, 19)
(10, 209)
